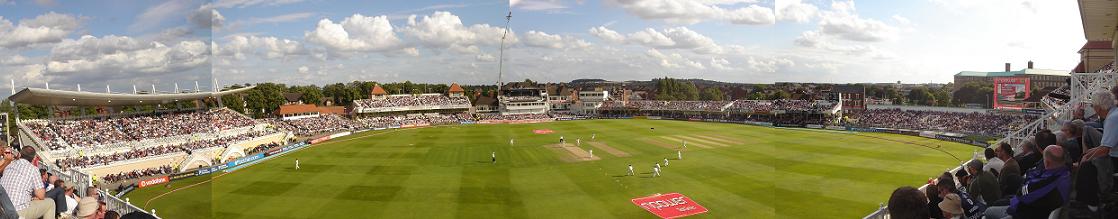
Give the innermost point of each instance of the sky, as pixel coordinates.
(124, 42)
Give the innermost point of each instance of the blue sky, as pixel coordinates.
(122, 42)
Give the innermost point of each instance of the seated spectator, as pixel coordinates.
(24, 186)
(1072, 132)
(951, 206)
(1029, 156)
(982, 184)
(87, 208)
(58, 193)
(71, 200)
(932, 192)
(993, 163)
(1010, 178)
(112, 215)
(1047, 189)
(908, 203)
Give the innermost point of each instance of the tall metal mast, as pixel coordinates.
(501, 61)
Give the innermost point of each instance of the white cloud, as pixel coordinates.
(304, 69)
(356, 33)
(155, 15)
(769, 64)
(121, 56)
(795, 11)
(674, 60)
(269, 47)
(445, 30)
(690, 12)
(541, 39)
(607, 35)
(670, 38)
(46, 28)
(486, 57)
(720, 63)
(249, 3)
(206, 17)
(553, 41)
(273, 19)
(538, 5)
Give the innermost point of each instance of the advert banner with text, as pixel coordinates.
(671, 205)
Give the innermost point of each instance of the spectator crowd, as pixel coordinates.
(989, 124)
(97, 160)
(412, 101)
(63, 134)
(1071, 169)
(136, 174)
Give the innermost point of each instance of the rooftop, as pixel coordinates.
(48, 97)
(1027, 71)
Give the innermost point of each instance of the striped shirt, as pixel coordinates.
(20, 181)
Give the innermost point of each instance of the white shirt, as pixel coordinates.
(993, 164)
(71, 204)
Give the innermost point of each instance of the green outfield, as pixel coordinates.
(735, 171)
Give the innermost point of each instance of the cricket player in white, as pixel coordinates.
(578, 142)
(512, 142)
(684, 143)
(657, 166)
(592, 136)
(296, 164)
(494, 156)
(561, 140)
(656, 171)
(679, 154)
(591, 153)
(665, 161)
(630, 171)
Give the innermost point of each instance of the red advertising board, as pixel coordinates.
(671, 205)
(153, 181)
(1011, 92)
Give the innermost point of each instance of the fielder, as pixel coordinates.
(591, 153)
(561, 140)
(512, 142)
(493, 155)
(684, 143)
(679, 154)
(296, 163)
(665, 161)
(578, 142)
(657, 166)
(592, 136)
(631, 173)
(656, 171)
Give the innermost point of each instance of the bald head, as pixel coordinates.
(1054, 156)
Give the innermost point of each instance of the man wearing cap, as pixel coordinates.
(952, 206)
(24, 186)
(1044, 190)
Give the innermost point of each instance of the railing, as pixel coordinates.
(83, 181)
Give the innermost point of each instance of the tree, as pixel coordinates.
(921, 96)
(311, 93)
(974, 93)
(712, 93)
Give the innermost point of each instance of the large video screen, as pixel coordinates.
(1010, 92)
